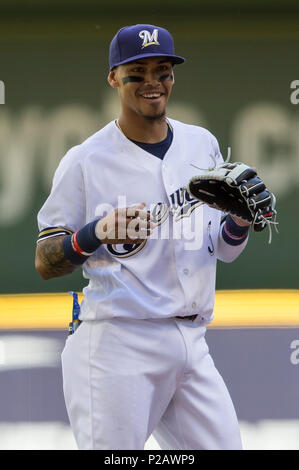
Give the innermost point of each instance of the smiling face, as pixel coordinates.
(144, 87)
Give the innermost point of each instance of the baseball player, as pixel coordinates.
(138, 363)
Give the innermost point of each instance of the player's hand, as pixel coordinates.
(241, 222)
(126, 225)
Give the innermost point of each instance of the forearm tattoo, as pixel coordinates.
(51, 256)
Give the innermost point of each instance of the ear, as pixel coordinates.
(112, 79)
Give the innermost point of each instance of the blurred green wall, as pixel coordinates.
(241, 60)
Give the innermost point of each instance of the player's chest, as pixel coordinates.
(123, 181)
(133, 175)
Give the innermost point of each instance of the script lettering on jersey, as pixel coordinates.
(149, 39)
(182, 203)
(181, 208)
(160, 213)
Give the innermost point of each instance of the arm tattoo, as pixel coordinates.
(50, 256)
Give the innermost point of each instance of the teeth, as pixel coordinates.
(151, 95)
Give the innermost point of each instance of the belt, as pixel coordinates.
(74, 325)
(190, 318)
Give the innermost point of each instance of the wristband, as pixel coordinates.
(232, 233)
(81, 244)
(85, 240)
(234, 228)
(69, 252)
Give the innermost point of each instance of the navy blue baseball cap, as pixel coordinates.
(140, 41)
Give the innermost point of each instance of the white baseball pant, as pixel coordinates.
(125, 379)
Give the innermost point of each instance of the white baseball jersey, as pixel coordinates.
(172, 273)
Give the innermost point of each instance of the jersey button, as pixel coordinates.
(194, 305)
(186, 271)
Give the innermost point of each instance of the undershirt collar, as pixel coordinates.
(158, 149)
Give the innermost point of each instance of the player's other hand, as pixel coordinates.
(126, 225)
(241, 222)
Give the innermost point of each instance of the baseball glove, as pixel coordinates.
(236, 189)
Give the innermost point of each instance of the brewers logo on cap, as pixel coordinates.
(148, 38)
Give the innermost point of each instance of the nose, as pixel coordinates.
(152, 78)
